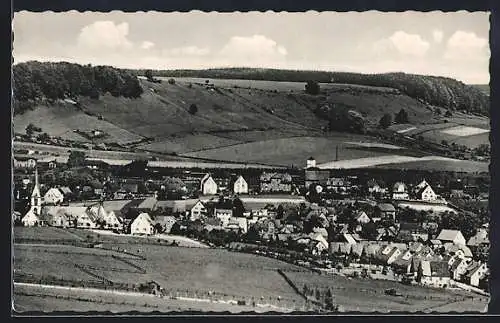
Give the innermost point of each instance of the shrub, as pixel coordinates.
(385, 121)
(193, 109)
(171, 81)
(312, 87)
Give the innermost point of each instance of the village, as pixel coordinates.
(341, 225)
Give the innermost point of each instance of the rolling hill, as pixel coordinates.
(231, 114)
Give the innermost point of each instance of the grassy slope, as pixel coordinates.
(236, 112)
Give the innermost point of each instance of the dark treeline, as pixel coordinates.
(435, 90)
(35, 82)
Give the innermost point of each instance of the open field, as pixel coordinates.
(464, 131)
(294, 151)
(367, 295)
(448, 165)
(195, 273)
(30, 297)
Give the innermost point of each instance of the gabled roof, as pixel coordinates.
(148, 203)
(439, 269)
(448, 235)
(65, 190)
(456, 264)
(349, 238)
(481, 237)
(473, 268)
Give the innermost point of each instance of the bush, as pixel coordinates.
(385, 121)
(171, 81)
(312, 87)
(193, 109)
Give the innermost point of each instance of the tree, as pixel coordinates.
(401, 117)
(148, 74)
(193, 109)
(171, 81)
(448, 113)
(238, 207)
(76, 159)
(385, 121)
(312, 87)
(43, 137)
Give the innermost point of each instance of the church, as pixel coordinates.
(32, 217)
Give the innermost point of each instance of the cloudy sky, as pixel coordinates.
(447, 44)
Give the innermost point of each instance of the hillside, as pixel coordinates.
(435, 90)
(227, 119)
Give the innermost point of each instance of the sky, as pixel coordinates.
(434, 43)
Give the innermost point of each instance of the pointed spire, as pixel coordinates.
(36, 176)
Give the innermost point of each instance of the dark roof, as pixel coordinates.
(311, 158)
(439, 269)
(386, 207)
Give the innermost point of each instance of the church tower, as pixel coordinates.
(36, 198)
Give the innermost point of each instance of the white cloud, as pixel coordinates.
(466, 46)
(104, 35)
(256, 50)
(147, 44)
(187, 50)
(437, 35)
(402, 43)
(409, 44)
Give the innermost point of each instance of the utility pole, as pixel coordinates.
(337, 153)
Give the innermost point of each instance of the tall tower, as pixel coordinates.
(311, 162)
(36, 198)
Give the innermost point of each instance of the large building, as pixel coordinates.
(208, 186)
(32, 217)
(240, 186)
(275, 183)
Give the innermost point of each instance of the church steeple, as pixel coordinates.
(36, 199)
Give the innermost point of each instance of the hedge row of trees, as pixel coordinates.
(439, 91)
(34, 81)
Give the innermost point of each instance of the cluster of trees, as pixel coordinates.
(438, 91)
(342, 118)
(35, 81)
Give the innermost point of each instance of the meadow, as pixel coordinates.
(203, 273)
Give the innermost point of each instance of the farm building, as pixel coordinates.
(454, 236)
(208, 186)
(142, 224)
(166, 221)
(240, 186)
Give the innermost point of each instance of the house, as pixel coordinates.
(238, 224)
(458, 268)
(111, 220)
(385, 211)
(310, 162)
(426, 194)
(31, 219)
(481, 238)
(66, 191)
(142, 224)
(399, 191)
(421, 185)
(321, 231)
(240, 186)
(197, 211)
(454, 236)
(361, 217)
(317, 247)
(166, 221)
(475, 272)
(387, 254)
(223, 215)
(275, 183)
(208, 186)
(374, 187)
(434, 273)
(460, 250)
(53, 196)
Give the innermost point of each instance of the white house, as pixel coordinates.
(53, 196)
(454, 236)
(197, 211)
(240, 186)
(458, 267)
(475, 273)
(421, 185)
(208, 185)
(142, 224)
(30, 219)
(111, 221)
(399, 191)
(426, 194)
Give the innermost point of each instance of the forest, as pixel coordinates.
(35, 82)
